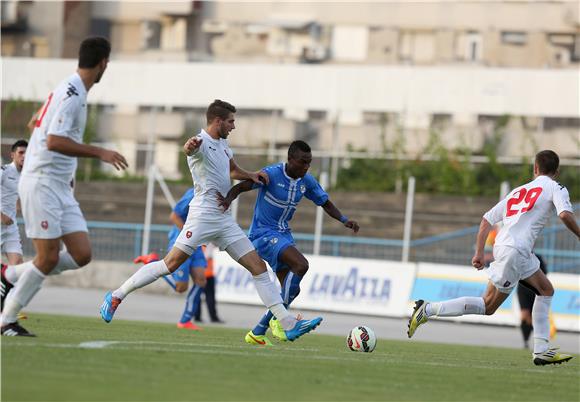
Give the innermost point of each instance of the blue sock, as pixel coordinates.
(290, 289)
(191, 303)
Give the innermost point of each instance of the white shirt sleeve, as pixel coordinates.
(561, 199)
(64, 117)
(497, 213)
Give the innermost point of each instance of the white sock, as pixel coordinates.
(271, 298)
(14, 272)
(65, 263)
(144, 276)
(541, 323)
(456, 307)
(29, 283)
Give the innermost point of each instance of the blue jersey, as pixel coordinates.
(277, 201)
(181, 209)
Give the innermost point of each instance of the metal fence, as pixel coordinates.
(112, 241)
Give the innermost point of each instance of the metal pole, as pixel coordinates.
(273, 136)
(408, 219)
(335, 148)
(148, 211)
(504, 189)
(150, 185)
(319, 216)
(164, 187)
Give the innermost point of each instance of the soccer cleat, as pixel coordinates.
(261, 340)
(418, 317)
(147, 258)
(109, 307)
(277, 330)
(302, 327)
(550, 356)
(5, 286)
(15, 329)
(188, 325)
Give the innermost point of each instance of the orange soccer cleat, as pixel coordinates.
(188, 325)
(147, 258)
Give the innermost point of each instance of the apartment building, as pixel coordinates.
(451, 35)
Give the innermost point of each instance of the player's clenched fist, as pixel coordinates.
(191, 145)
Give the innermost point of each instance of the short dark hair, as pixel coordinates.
(93, 50)
(548, 162)
(18, 144)
(296, 146)
(219, 108)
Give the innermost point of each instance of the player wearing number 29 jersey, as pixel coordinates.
(524, 213)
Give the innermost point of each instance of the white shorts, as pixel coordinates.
(49, 208)
(10, 242)
(509, 266)
(220, 229)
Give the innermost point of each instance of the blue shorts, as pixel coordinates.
(196, 260)
(270, 244)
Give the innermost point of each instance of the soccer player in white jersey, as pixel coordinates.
(524, 213)
(212, 166)
(9, 177)
(51, 213)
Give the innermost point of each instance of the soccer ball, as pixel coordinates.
(361, 339)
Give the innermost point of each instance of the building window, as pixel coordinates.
(151, 34)
(473, 47)
(553, 123)
(514, 38)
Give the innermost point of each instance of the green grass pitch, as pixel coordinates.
(84, 359)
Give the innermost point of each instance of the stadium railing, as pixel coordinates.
(114, 241)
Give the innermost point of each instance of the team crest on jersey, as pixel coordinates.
(302, 188)
(44, 225)
(188, 234)
(274, 240)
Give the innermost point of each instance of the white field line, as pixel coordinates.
(202, 348)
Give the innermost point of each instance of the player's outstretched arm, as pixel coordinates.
(66, 146)
(237, 173)
(484, 228)
(334, 212)
(569, 220)
(236, 190)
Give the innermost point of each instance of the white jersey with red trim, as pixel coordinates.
(526, 210)
(64, 114)
(9, 177)
(210, 170)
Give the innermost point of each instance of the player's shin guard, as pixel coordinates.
(541, 323)
(271, 299)
(457, 307)
(144, 276)
(290, 289)
(191, 303)
(29, 283)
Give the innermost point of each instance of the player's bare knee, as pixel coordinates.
(83, 259)
(180, 287)
(201, 282)
(547, 290)
(46, 263)
(301, 268)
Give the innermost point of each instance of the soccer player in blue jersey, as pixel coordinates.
(270, 233)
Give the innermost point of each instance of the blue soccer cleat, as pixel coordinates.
(302, 327)
(109, 307)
